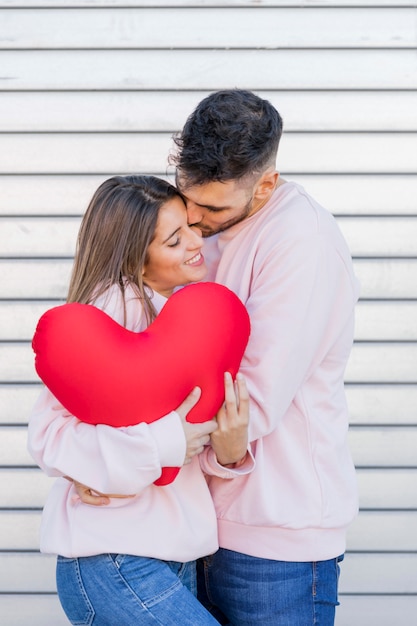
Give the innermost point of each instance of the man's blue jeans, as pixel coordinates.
(242, 590)
(122, 590)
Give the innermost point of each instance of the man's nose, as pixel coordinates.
(194, 213)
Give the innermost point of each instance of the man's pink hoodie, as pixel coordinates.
(291, 267)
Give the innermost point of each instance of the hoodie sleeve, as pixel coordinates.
(301, 306)
(110, 460)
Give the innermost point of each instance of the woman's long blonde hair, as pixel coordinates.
(114, 236)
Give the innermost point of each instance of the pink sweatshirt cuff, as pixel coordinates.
(211, 466)
(169, 437)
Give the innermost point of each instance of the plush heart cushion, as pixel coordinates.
(105, 374)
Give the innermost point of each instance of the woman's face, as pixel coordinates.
(174, 256)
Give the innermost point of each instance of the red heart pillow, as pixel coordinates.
(105, 374)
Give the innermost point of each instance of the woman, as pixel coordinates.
(132, 562)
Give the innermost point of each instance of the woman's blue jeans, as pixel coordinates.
(242, 590)
(123, 590)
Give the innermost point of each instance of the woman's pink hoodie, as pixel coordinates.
(176, 522)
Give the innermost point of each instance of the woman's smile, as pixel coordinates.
(195, 260)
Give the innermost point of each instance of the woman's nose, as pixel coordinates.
(197, 230)
(196, 238)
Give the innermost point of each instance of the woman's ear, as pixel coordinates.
(266, 185)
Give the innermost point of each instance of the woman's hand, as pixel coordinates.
(196, 435)
(230, 440)
(90, 496)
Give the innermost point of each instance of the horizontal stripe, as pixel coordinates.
(207, 69)
(181, 28)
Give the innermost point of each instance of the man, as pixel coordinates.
(282, 528)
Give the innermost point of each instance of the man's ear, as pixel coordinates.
(266, 185)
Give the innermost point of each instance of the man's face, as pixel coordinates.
(216, 206)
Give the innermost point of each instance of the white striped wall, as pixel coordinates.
(93, 88)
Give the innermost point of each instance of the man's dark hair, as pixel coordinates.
(230, 135)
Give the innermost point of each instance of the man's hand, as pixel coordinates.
(230, 440)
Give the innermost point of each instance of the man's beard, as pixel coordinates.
(209, 232)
